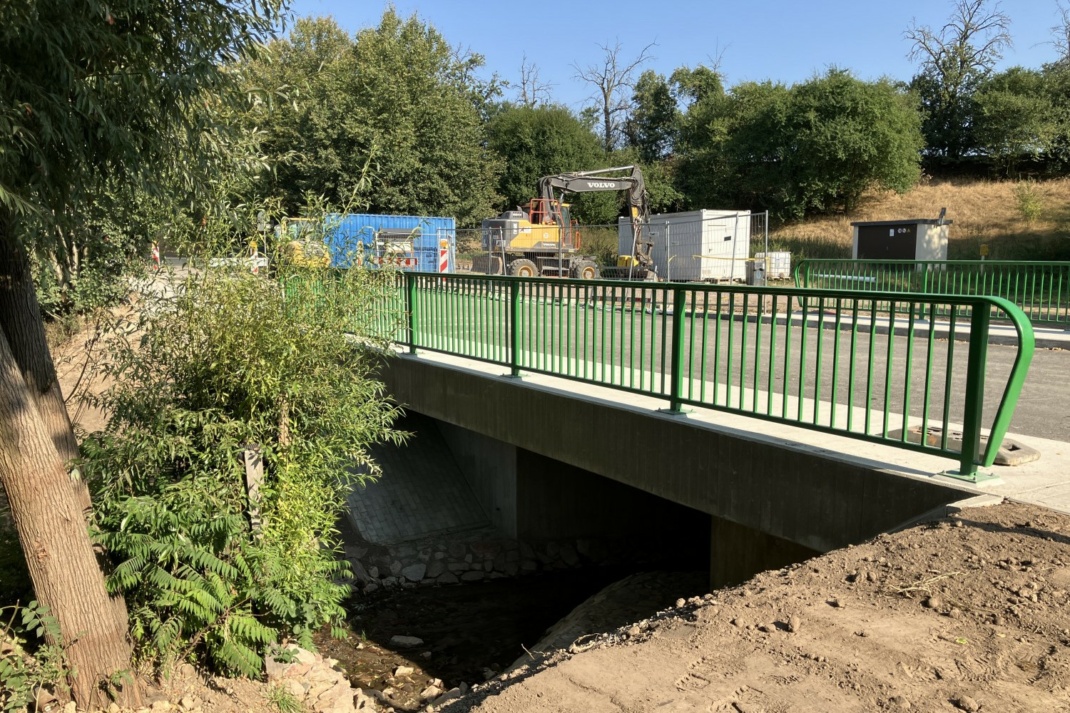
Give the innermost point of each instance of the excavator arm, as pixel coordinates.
(551, 188)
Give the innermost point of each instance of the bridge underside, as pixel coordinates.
(770, 501)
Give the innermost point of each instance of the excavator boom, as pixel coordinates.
(551, 188)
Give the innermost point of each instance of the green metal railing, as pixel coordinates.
(1040, 289)
(828, 360)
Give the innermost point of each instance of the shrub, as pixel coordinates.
(231, 362)
(1030, 202)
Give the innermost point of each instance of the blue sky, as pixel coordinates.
(781, 40)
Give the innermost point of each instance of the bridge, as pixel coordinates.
(793, 420)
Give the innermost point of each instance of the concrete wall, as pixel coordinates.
(788, 491)
(489, 466)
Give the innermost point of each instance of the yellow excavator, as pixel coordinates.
(543, 240)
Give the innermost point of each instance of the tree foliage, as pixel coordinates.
(652, 127)
(395, 104)
(540, 141)
(814, 147)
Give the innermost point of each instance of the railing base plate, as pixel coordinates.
(978, 477)
(676, 412)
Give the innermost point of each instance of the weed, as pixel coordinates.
(25, 676)
(1030, 203)
(284, 701)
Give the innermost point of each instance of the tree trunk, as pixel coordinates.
(59, 554)
(20, 320)
(47, 503)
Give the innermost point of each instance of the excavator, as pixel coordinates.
(543, 240)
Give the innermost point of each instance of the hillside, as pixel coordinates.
(1018, 220)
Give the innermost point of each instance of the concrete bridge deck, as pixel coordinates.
(1043, 482)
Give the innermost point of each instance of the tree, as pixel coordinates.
(814, 147)
(1015, 117)
(653, 124)
(91, 91)
(532, 89)
(954, 61)
(610, 79)
(395, 105)
(1061, 34)
(539, 142)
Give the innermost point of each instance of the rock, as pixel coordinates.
(793, 624)
(837, 603)
(529, 566)
(426, 655)
(189, 702)
(458, 566)
(414, 572)
(373, 572)
(473, 576)
(450, 695)
(488, 566)
(966, 703)
(359, 573)
(932, 602)
(160, 706)
(403, 671)
(430, 692)
(569, 555)
(296, 689)
(899, 703)
(634, 631)
(405, 642)
(434, 569)
(447, 578)
(680, 603)
(361, 702)
(395, 568)
(369, 588)
(113, 708)
(457, 550)
(390, 581)
(70, 708)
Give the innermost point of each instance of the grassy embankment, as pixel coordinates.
(1018, 220)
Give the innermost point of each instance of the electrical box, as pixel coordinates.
(910, 239)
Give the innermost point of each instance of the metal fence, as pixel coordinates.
(1040, 289)
(826, 360)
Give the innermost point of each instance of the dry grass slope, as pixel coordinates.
(1018, 220)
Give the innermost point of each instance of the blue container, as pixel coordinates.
(408, 242)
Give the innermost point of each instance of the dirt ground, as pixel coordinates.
(967, 614)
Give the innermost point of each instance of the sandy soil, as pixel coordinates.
(966, 614)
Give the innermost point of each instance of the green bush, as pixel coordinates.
(228, 361)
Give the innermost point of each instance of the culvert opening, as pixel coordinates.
(483, 623)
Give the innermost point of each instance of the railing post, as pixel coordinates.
(410, 308)
(676, 388)
(975, 388)
(514, 327)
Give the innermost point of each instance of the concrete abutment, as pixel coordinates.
(546, 462)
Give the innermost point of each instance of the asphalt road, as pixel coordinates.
(605, 335)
